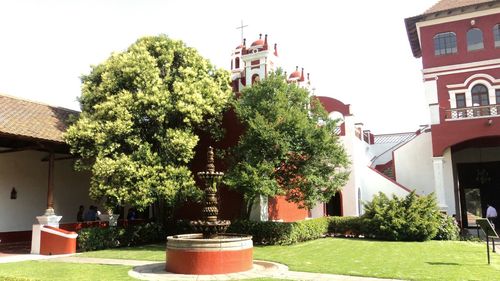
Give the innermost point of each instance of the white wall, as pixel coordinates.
(382, 152)
(413, 164)
(29, 175)
(449, 185)
(373, 183)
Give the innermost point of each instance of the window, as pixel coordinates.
(496, 34)
(237, 63)
(460, 98)
(497, 94)
(255, 78)
(445, 43)
(480, 98)
(474, 39)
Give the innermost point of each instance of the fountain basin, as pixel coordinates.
(192, 254)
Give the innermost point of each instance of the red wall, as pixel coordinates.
(280, 209)
(460, 28)
(448, 133)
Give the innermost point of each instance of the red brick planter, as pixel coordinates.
(191, 254)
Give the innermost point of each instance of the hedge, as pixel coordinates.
(95, 238)
(281, 233)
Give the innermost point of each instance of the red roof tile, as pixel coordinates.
(29, 119)
(444, 5)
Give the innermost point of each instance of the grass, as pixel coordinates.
(58, 271)
(433, 260)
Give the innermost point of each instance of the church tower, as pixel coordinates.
(251, 64)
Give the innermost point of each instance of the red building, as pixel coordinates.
(459, 43)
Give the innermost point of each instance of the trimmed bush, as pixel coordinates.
(281, 233)
(413, 218)
(95, 238)
(348, 226)
(448, 228)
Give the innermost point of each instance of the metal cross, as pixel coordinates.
(241, 27)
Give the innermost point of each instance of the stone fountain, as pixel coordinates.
(211, 251)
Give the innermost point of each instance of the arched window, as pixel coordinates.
(480, 98)
(496, 34)
(474, 39)
(237, 63)
(255, 78)
(445, 43)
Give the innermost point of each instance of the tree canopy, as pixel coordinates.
(140, 110)
(289, 146)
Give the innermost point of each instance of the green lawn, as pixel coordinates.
(56, 271)
(433, 260)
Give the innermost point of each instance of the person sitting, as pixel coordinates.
(91, 214)
(131, 214)
(79, 215)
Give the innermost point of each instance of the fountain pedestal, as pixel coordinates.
(191, 254)
(211, 251)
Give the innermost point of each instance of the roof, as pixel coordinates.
(28, 119)
(445, 5)
(394, 138)
(443, 8)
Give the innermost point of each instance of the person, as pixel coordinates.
(79, 215)
(131, 214)
(491, 215)
(91, 214)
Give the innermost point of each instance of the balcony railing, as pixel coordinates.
(472, 112)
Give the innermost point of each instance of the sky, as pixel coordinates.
(355, 51)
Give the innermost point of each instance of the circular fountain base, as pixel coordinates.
(192, 254)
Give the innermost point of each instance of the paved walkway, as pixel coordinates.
(146, 270)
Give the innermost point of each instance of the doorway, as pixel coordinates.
(334, 206)
(479, 185)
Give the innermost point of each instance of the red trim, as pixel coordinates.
(331, 105)
(388, 178)
(59, 229)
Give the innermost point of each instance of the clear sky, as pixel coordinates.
(356, 51)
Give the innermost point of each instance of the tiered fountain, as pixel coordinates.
(210, 251)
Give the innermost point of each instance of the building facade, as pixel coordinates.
(459, 44)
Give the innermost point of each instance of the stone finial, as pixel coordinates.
(210, 160)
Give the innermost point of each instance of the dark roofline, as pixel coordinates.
(411, 31)
(411, 22)
(40, 103)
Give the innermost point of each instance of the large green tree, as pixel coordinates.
(140, 111)
(288, 148)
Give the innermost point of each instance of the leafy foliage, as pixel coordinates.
(140, 110)
(348, 226)
(281, 233)
(413, 218)
(284, 149)
(448, 228)
(97, 238)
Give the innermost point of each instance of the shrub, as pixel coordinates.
(95, 238)
(281, 233)
(448, 228)
(350, 226)
(413, 218)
